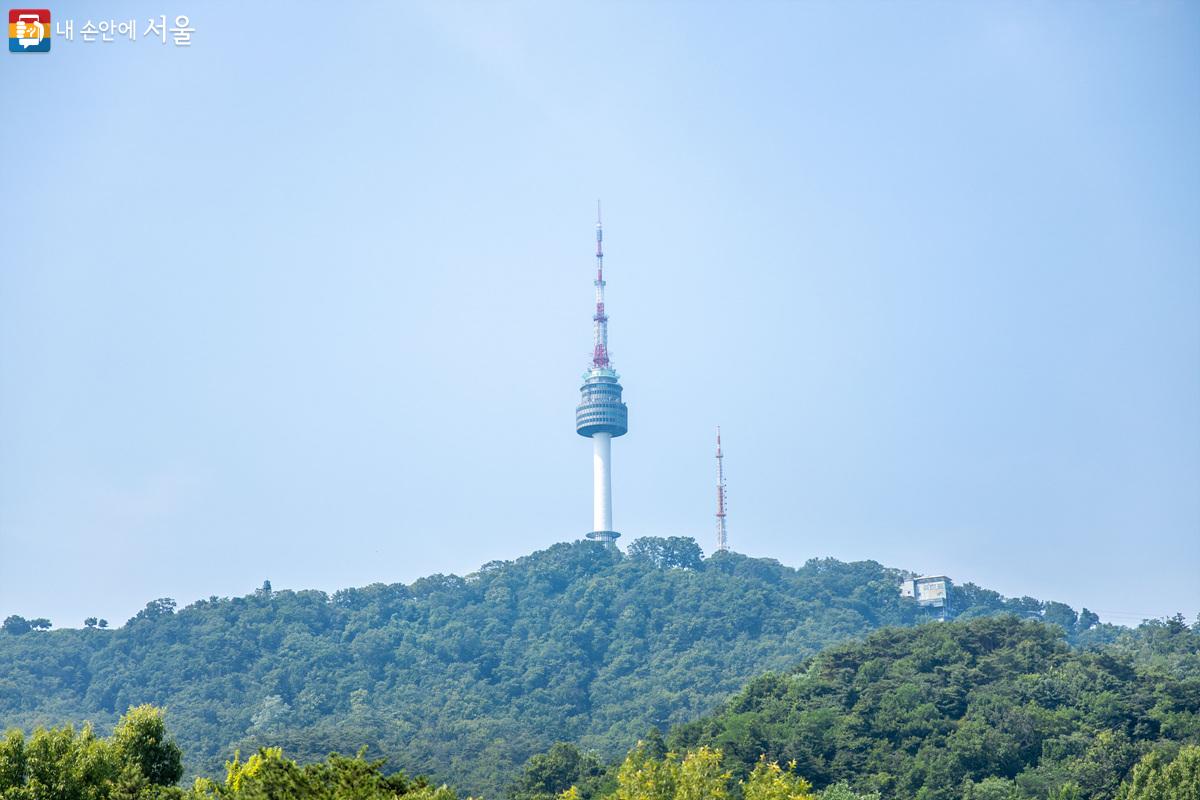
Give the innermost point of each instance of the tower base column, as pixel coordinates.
(602, 482)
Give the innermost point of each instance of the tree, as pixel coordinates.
(1060, 614)
(138, 763)
(1154, 778)
(643, 777)
(655, 744)
(131, 784)
(141, 739)
(57, 763)
(13, 762)
(156, 608)
(842, 791)
(90, 622)
(769, 782)
(1067, 791)
(991, 788)
(271, 715)
(1024, 606)
(16, 625)
(552, 773)
(701, 777)
(1087, 620)
(40, 624)
(673, 552)
(103, 623)
(268, 775)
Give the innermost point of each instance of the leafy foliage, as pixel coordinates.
(18, 625)
(140, 739)
(1157, 778)
(140, 762)
(563, 766)
(700, 775)
(994, 708)
(466, 678)
(267, 775)
(988, 709)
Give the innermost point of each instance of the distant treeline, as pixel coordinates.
(988, 709)
(465, 678)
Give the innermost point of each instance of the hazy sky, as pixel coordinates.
(310, 300)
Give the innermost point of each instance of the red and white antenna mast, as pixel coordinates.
(600, 348)
(722, 535)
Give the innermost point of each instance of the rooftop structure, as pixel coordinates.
(932, 592)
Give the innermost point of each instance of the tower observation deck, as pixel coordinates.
(601, 415)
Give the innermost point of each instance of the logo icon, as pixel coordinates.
(29, 30)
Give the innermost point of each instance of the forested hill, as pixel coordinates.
(463, 678)
(990, 708)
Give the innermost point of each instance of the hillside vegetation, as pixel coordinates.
(990, 709)
(463, 678)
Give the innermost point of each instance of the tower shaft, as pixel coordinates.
(602, 482)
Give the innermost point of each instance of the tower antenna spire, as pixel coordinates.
(722, 534)
(600, 319)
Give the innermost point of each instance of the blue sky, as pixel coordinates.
(310, 300)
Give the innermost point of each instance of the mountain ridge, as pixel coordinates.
(466, 677)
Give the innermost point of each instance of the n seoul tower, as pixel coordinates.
(600, 414)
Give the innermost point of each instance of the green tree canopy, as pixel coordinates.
(466, 678)
(1159, 778)
(988, 709)
(140, 739)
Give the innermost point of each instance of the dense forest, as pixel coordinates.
(989, 709)
(464, 678)
(141, 762)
